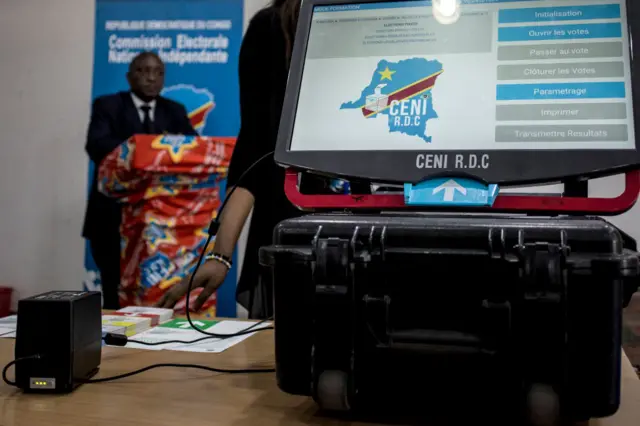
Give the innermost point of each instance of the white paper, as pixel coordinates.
(8, 326)
(161, 334)
(163, 314)
(7, 332)
(218, 345)
(212, 345)
(146, 310)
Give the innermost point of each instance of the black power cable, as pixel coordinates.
(171, 365)
(119, 340)
(122, 340)
(10, 382)
(113, 339)
(6, 368)
(213, 230)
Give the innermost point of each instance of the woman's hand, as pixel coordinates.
(212, 273)
(210, 276)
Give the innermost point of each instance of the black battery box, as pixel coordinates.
(444, 313)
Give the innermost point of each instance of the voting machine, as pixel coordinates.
(454, 294)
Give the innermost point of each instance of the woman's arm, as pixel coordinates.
(254, 65)
(253, 69)
(211, 274)
(232, 220)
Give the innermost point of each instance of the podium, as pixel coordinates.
(170, 188)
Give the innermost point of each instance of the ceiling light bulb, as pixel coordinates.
(446, 11)
(447, 8)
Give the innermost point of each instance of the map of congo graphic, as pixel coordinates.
(402, 91)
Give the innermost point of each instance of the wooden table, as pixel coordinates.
(179, 397)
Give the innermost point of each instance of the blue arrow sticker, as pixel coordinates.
(450, 192)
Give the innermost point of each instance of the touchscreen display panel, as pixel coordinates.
(496, 75)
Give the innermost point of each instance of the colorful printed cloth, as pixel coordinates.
(170, 188)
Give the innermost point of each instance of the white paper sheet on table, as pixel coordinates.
(7, 332)
(212, 345)
(160, 334)
(8, 326)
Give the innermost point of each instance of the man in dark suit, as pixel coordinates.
(114, 119)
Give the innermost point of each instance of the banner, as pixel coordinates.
(199, 42)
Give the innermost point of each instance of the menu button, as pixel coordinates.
(540, 72)
(559, 112)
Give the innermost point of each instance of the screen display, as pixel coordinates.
(497, 75)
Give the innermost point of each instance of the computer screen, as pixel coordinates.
(509, 92)
(499, 75)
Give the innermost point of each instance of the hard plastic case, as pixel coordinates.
(427, 311)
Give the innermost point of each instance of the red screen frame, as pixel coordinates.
(505, 203)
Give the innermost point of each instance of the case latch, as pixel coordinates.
(332, 265)
(543, 266)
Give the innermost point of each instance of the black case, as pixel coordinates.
(64, 328)
(422, 311)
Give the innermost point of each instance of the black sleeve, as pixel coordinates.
(101, 138)
(254, 139)
(185, 124)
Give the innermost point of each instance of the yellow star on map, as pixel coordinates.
(386, 74)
